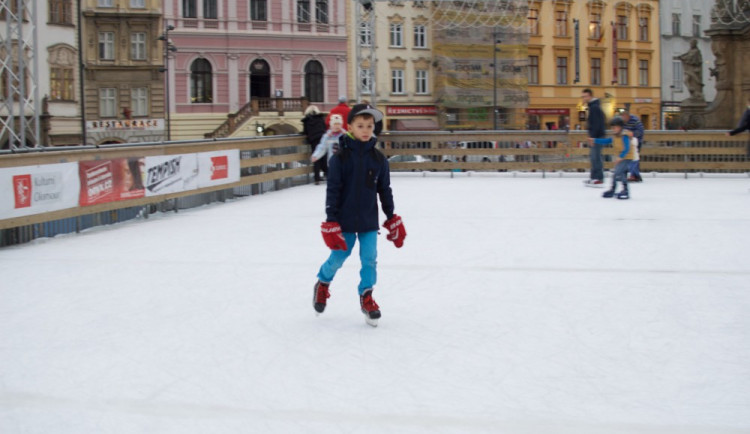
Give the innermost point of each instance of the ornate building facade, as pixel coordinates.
(233, 52)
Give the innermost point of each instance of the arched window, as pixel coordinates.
(260, 79)
(201, 81)
(314, 81)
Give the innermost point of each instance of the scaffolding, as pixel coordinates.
(19, 72)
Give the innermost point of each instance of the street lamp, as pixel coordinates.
(168, 47)
(495, 50)
(260, 128)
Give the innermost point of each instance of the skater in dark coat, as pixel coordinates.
(359, 175)
(744, 125)
(597, 127)
(313, 127)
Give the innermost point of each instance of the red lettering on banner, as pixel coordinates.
(414, 110)
(22, 190)
(219, 167)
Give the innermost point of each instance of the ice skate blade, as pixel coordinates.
(371, 322)
(594, 185)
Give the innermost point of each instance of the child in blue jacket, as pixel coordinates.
(626, 149)
(329, 143)
(357, 175)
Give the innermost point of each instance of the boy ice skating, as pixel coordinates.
(626, 149)
(329, 143)
(357, 175)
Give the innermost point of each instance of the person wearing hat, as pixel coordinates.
(329, 144)
(342, 110)
(626, 150)
(358, 174)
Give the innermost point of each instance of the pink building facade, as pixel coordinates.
(232, 51)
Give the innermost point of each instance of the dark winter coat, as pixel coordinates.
(357, 175)
(744, 125)
(597, 123)
(313, 127)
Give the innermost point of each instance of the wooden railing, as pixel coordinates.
(262, 159)
(663, 151)
(254, 108)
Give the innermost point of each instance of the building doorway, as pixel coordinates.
(260, 79)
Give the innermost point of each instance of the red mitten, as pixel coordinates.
(396, 230)
(332, 236)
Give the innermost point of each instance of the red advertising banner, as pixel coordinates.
(105, 181)
(411, 110)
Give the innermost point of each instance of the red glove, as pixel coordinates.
(332, 236)
(396, 230)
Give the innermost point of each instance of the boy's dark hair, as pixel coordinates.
(617, 122)
(588, 91)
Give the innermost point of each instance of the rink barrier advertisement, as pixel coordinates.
(112, 180)
(103, 181)
(166, 174)
(28, 190)
(218, 167)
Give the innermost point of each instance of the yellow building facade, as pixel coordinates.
(617, 57)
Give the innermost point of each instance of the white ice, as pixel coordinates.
(521, 305)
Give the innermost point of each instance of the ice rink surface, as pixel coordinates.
(521, 305)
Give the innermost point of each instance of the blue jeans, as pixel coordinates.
(597, 165)
(635, 168)
(621, 174)
(368, 254)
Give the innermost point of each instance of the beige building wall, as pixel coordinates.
(405, 58)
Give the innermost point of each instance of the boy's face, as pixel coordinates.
(362, 128)
(336, 127)
(617, 129)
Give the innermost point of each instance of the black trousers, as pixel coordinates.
(320, 166)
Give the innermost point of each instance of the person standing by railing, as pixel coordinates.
(342, 110)
(313, 127)
(596, 128)
(744, 125)
(634, 125)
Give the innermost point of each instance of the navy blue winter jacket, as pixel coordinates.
(597, 123)
(357, 175)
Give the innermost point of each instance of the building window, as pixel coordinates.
(105, 3)
(137, 3)
(420, 36)
(210, 9)
(258, 11)
(677, 77)
(201, 81)
(595, 26)
(106, 45)
(596, 71)
(321, 11)
(61, 84)
(422, 82)
(365, 34)
(397, 81)
(562, 70)
(60, 12)
(189, 8)
(139, 101)
(561, 23)
(534, 21)
(676, 19)
(138, 46)
(365, 81)
(697, 26)
(622, 27)
(643, 29)
(397, 35)
(108, 102)
(533, 69)
(622, 72)
(643, 72)
(303, 11)
(314, 81)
